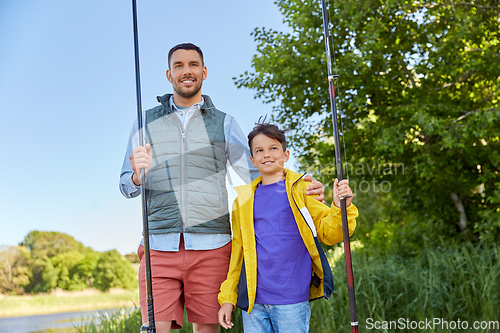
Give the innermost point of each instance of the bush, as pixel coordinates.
(113, 271)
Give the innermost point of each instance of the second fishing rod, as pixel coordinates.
(338, 162)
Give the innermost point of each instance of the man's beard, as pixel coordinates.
(189, 93)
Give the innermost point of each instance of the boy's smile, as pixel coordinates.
(269, 158)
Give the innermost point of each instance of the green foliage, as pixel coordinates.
(113, 271)
(15, 272)
(63, 263)
(459, 282)
(418, 89)
(48, 244)
(48, 260)
(47, 276)
(123, 321)
(60, 271)
(133, 258)
(83, 272)
(58, 261)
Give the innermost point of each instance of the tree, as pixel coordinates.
(50, 243)
(113, 271)
(133, 258)
(418, 89)
(15, 272)
(83, 272)
(65, 267)
(49, 252)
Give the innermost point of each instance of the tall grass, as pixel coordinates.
(459, 283)
(126, 321)
(123, 321)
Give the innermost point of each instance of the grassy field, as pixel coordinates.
(452, 283)
(449, 283)
(64, 301)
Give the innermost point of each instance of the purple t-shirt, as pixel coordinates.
(283, 263)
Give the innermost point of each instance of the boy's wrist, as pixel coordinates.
(228, 305)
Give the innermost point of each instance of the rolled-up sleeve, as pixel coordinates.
(127, 186)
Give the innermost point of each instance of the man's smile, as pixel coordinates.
(187, 81)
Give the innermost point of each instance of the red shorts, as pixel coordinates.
(190, 277)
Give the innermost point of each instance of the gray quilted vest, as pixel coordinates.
(186, 184)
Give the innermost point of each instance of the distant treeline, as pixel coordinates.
(47, 260)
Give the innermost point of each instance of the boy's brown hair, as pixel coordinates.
(270, 130)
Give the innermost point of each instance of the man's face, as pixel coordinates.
(186, 73)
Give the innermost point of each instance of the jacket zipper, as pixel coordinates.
(293, 198)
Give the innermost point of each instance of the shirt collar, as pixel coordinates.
(193, 108)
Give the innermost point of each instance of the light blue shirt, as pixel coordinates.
(238, 155)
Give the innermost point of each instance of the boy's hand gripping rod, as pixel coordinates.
(338, 159)
(149, 286)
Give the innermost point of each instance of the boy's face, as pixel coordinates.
(268, 155)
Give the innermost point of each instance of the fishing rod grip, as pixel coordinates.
(348, 260)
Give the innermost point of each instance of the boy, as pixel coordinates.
(277, 264)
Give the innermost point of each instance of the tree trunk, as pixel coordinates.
(460, 207)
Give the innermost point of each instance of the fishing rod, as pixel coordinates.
(151, 328)
(338, 159)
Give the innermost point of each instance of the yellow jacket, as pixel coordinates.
(314, 220)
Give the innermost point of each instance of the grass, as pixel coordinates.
(457, 283)
(130, 322)
(26, 305)
(118, 322)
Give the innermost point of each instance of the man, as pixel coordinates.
(189, 143)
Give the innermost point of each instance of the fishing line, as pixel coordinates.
(339, 93)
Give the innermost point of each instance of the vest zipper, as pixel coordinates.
(183, 166)
(183, 179)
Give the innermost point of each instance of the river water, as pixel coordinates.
(51, 323)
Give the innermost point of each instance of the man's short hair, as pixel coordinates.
(270, 130)
(185, 46)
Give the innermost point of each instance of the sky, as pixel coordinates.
(68, 102)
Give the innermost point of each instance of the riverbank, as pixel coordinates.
(66, 301)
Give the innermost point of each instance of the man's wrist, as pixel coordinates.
(134, 177)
